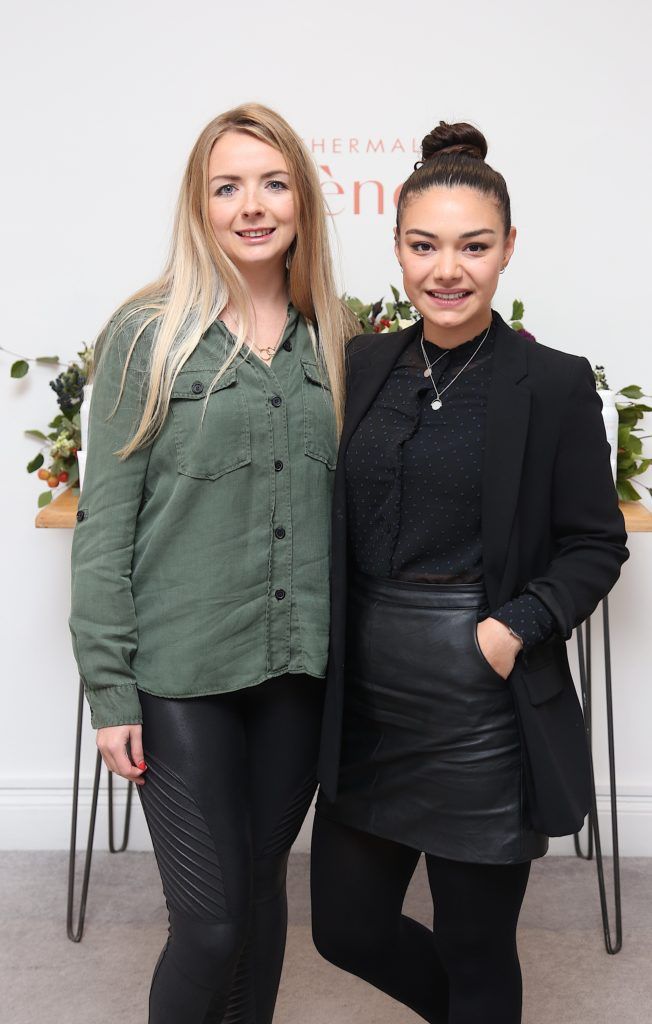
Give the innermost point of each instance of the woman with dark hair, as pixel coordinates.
(475, 524)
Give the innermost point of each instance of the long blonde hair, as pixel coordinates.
(199, 279)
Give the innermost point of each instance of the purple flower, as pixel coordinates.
(526, 334)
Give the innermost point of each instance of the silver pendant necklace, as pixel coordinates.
(437, 402)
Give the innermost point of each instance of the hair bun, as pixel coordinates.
(454, 138)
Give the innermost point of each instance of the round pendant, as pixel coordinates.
(436, 404)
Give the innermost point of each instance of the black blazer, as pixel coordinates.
(551, 525)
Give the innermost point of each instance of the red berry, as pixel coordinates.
(53, 481)
(63, 477)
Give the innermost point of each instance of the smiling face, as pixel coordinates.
(250, 204)
(452, 247)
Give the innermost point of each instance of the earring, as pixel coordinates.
(503, 270)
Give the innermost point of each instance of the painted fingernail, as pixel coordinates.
(142, 766)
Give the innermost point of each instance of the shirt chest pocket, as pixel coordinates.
(212, 437)
(318, 415)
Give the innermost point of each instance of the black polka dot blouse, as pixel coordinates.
(414, 477)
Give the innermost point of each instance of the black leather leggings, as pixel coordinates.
(230, 778)
(464, 971)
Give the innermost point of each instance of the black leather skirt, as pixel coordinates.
(431, 755)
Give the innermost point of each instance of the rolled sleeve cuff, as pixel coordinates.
(114, 705)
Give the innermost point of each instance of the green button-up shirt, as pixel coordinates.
(200, 564)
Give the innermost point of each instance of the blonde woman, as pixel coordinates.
(201, 555)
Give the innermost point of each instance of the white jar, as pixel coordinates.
(610, 417)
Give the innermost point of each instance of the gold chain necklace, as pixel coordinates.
(267, 352)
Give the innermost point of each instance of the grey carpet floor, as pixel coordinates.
(45, 979)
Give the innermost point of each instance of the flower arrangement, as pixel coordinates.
(383, 317)
(60, 444)
(631, 463)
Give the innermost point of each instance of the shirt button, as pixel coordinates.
(197, 388)
(276, 401)
(278, 465)
(81, 515)
(287, 345)
(279, 533)
(279, 594)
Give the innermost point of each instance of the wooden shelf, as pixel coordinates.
(62, 512)
(637, 517)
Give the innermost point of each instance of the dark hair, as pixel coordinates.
(454, 154)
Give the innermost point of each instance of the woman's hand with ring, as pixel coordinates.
(498, 645)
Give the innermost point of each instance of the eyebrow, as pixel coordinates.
(467, 234)
(237, 177)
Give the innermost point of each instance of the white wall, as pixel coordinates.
(100, 108)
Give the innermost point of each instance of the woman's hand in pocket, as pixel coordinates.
(498, 645)
(121, 747)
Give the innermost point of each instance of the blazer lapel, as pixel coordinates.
(372, 369)
(508, 414)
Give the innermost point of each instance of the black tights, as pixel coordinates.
(465, 971)
(230, 778)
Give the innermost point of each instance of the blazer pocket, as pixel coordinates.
(212, 436)
(543, 672)
(318, 415)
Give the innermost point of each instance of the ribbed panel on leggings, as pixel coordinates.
(184, 848)
(287, 828)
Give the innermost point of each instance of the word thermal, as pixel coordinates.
(357, 145)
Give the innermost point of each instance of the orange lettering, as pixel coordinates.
(335, 190)
(357, 188)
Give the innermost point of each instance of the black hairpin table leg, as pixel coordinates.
(76, 930)
(584, 658)
(593, 824)
(125, 831)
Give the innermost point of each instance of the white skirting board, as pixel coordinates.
(35, 815)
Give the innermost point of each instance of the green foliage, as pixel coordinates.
(60, 444)
(632, 463)
(374, 318)
(518, 309)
